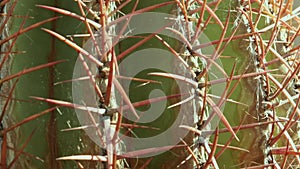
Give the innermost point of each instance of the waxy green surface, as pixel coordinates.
(41, 48)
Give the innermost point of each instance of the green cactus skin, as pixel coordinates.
(48, 141)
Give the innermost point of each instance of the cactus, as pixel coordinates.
(240, 100)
